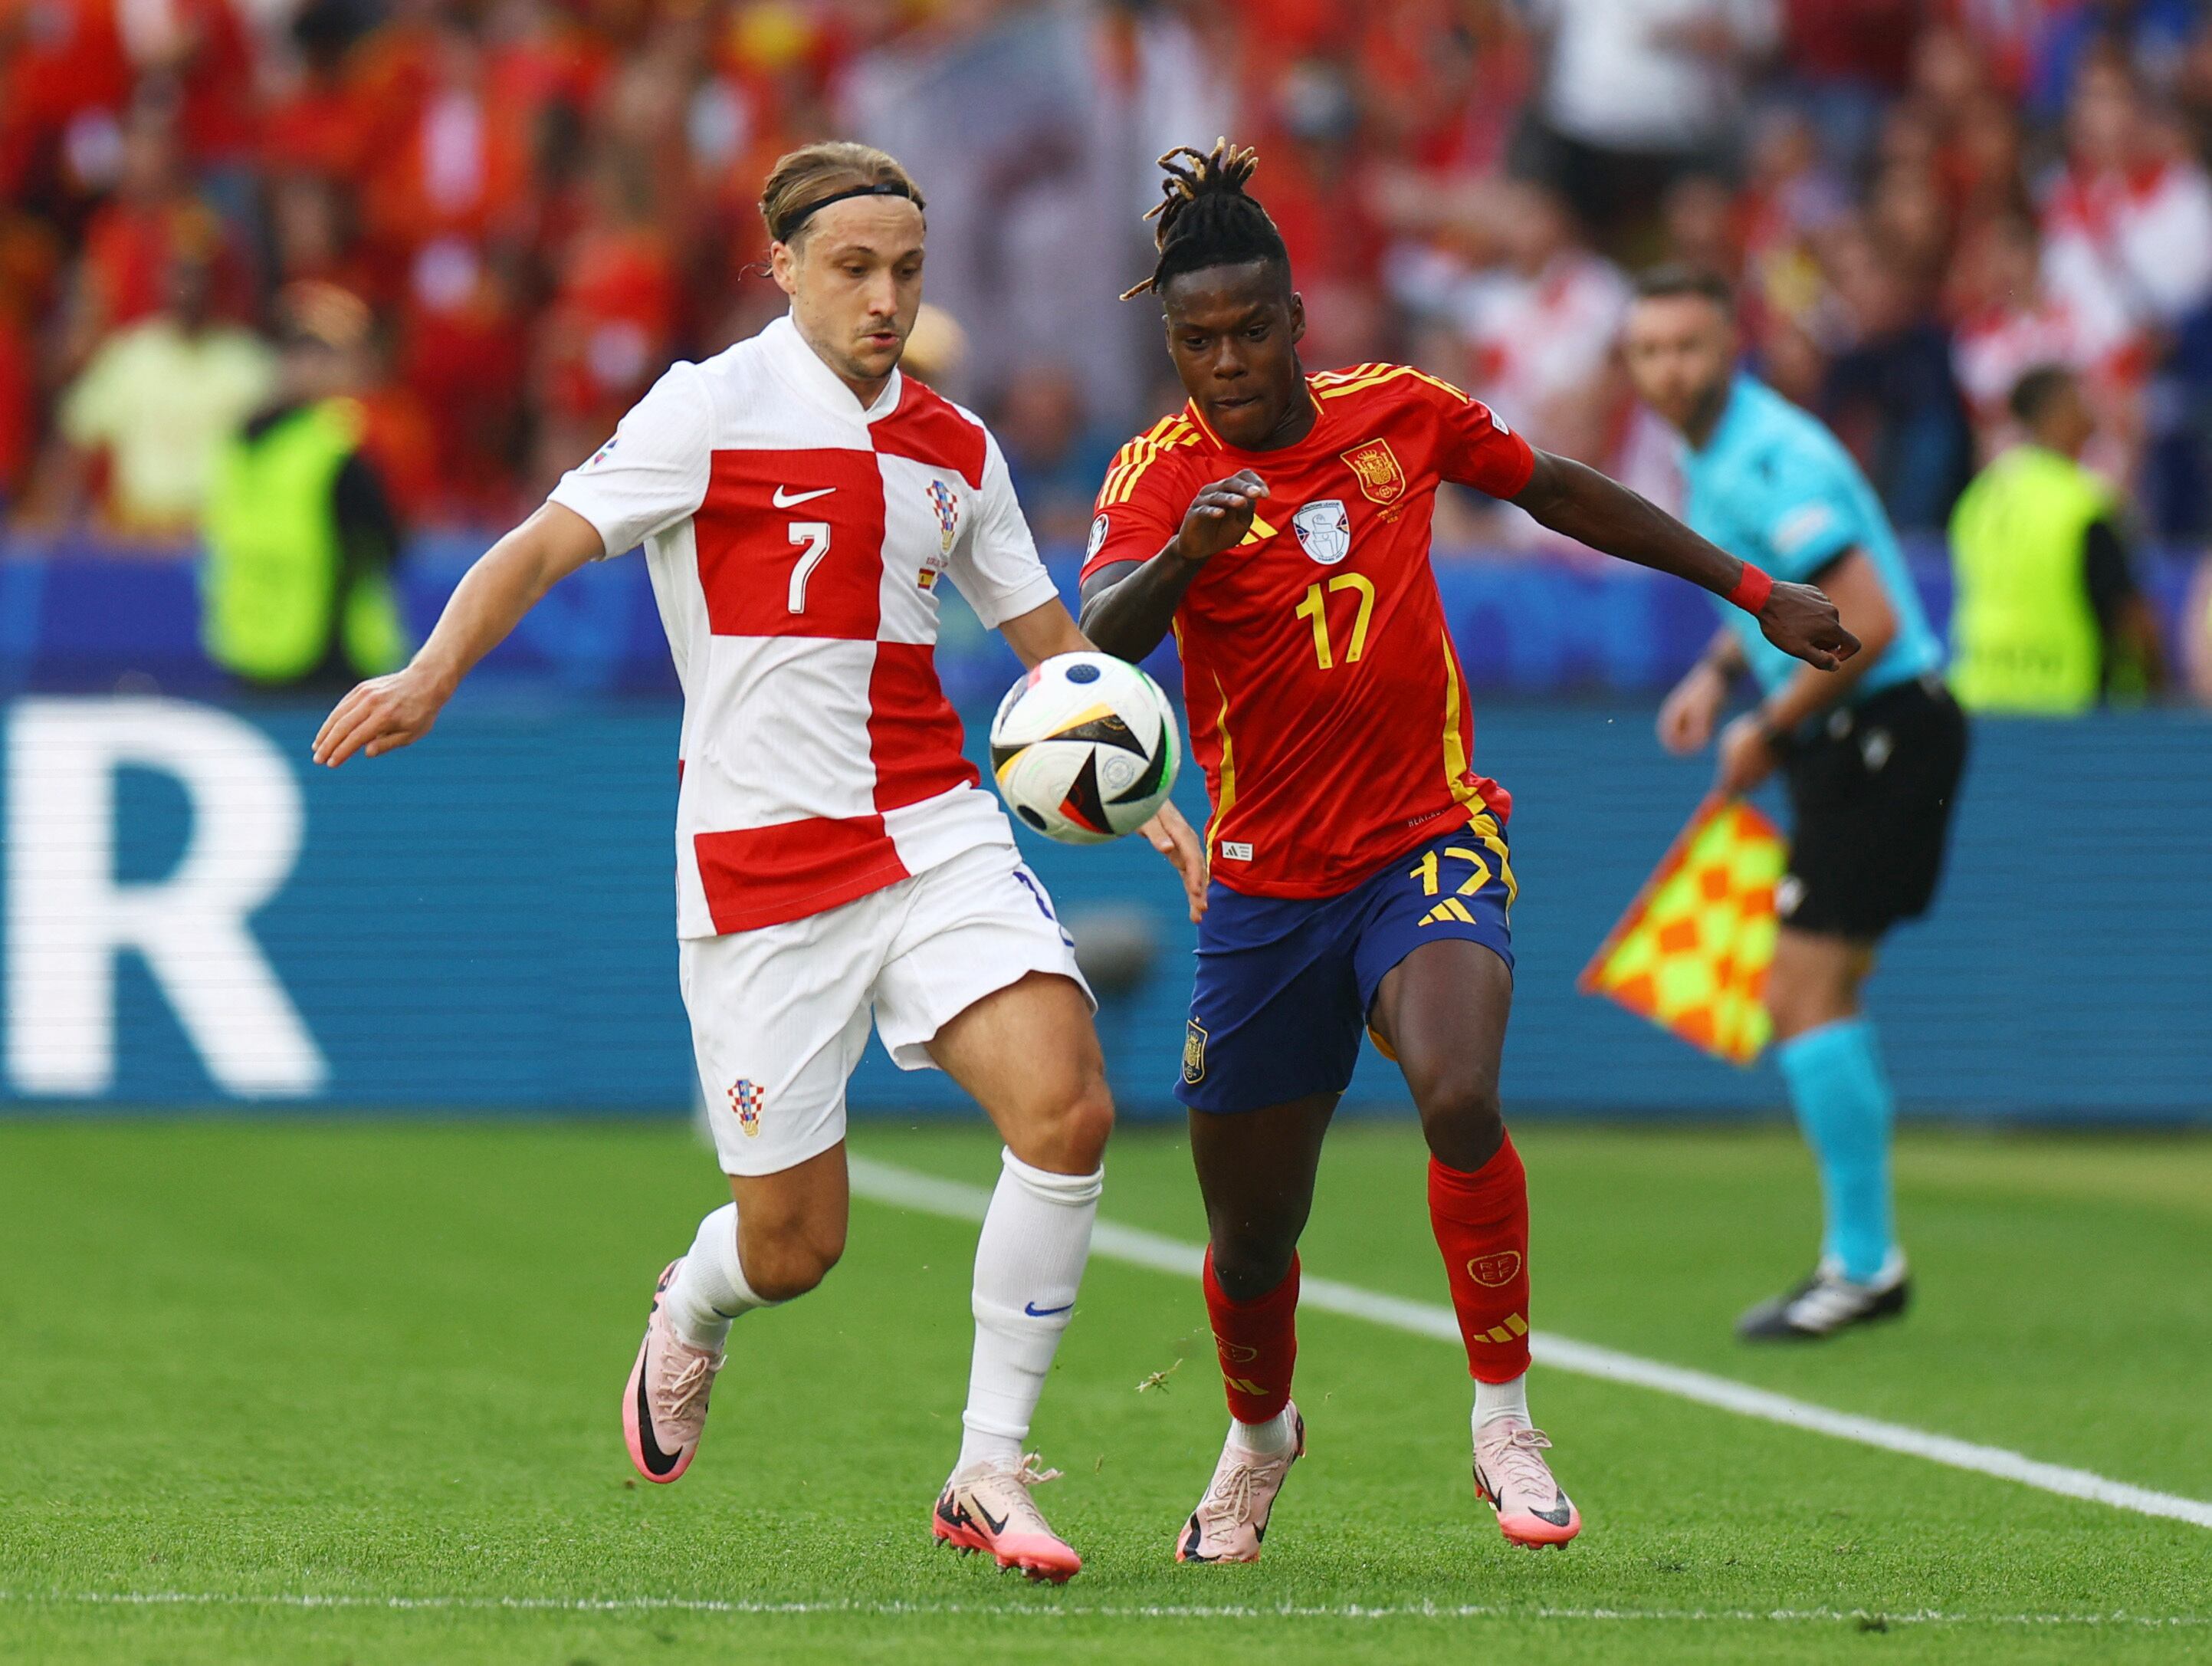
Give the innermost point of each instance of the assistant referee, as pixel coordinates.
(1871, 753)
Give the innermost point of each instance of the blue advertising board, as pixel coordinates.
(194, 915)
(86, 618)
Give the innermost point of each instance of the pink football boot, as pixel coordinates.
(1231, 1519)
(664, 1405)
(988, 1507)
(1511, 1476)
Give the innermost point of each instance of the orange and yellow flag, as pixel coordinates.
(1692, 952)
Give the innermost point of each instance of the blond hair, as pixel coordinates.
(804, 179)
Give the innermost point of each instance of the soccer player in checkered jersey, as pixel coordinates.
(799, 502)
(1360, 873)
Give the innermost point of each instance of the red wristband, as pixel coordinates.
(1750, 591)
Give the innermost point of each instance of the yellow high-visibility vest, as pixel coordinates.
(274, 561)
(2024, 634)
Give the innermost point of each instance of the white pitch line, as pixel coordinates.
(1047, 1610)
(886, 1183)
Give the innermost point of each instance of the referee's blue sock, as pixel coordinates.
(1844, 1104)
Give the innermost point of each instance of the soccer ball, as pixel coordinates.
(1084, 748)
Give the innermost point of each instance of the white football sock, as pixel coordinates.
(1496, 1400)
(1028, 1265)
(1277, 1436)
(709, 1289)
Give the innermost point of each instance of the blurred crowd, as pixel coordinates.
(542, 201)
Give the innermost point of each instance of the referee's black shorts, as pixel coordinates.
(1872, 790)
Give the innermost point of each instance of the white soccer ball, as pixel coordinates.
(1084, 748)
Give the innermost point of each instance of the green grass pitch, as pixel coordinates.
(372, 1361)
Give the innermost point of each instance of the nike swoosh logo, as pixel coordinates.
(657, 1462)
(1036, 1312)
(784, 497)
(997, 1525)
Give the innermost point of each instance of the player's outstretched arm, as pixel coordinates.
(1586, 506)
(1750, 746)
(387, 713)
(1129, 607)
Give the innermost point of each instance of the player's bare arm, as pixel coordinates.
(387, 713)
(1129, 607)
(1044, 631)
(1580, 503)
(1750, 746)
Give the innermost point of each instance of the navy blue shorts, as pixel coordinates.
(1285, 983)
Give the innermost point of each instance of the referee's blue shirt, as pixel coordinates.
(1773, 487)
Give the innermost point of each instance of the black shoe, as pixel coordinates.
(1825, 1303)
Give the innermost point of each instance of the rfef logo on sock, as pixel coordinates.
(1496, 1268)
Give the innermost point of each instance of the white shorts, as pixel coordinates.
(779, 1015)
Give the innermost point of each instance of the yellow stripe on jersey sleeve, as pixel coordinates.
(1350, 374)
(1124, 458)
(1140, 453)
(1375, 376)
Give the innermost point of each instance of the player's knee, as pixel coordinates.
(1246, 1265)
(791, 1262)
(1069, 1134)
(1797, 1004)
(1791, 1017)
(1462, 1118)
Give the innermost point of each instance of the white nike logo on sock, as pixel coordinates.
(784, 497)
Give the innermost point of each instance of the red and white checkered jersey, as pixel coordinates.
(796, 543)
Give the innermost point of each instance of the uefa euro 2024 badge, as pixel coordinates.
(1324, 530)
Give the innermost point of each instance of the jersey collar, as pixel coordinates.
(1259, 459)
(802, 367)
(1734, 415)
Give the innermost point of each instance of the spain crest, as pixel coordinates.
(948, 513)
(1375, 466)
(748, 1099)
(1193, 1054)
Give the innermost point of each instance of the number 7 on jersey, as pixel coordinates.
(815, 535)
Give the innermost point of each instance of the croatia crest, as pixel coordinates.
(748, 1099)
(1375, 467)
(1324, 531)
(948, 513)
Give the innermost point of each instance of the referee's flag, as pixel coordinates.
(1692, 952)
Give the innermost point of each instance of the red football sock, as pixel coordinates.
(1481, 1224)
(1258, 1341)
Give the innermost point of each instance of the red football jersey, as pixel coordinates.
(1325, 699)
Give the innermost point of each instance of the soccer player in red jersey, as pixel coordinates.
(1360, 873)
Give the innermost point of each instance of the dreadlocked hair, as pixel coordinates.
(1206, 217)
